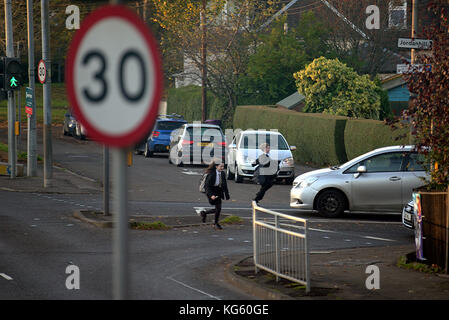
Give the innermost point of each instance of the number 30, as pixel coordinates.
(99, 76)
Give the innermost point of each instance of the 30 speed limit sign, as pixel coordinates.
(113, 76)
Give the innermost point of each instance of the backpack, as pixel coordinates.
(203, 183)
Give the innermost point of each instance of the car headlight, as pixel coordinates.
(304, 183)
(288, 162)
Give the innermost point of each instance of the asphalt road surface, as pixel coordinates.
(39, 238)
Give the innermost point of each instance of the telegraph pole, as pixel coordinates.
(203, 63)
(31, 134)
(414, 27)
(11, 104)
(48, 160)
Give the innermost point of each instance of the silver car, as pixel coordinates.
(378, 181)
(244, 150)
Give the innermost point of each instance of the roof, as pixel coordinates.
(292, 100)
(393, 81)
(203, 125)
(259, 132)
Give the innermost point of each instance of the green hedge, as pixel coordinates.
(362, 136)
(306, 131)
(186, 101)
(320, 139)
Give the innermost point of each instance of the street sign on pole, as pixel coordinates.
(29, 101)
(41, 71)
(114, 84)
(411, 68)
(414, 43)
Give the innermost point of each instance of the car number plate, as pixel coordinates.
(205, 144)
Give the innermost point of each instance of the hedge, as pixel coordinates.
(320, 139)
(186, 101)
(306, 131)
(361, 136)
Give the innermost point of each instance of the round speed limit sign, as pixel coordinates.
(113, 76)
(42, 71)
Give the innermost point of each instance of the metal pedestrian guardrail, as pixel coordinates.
(280, 245)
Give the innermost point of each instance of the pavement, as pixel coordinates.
(335, 274)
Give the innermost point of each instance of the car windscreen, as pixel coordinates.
(253, 141)
(205, 134)
(168, 125)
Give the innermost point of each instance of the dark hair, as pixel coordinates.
(213, 165)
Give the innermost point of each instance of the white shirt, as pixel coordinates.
(217, 178)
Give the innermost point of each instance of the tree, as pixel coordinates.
(230, 26)
(429, 112)
(332, 87)
(269, 75)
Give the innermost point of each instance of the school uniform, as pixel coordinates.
(215, 185)
(266, 174)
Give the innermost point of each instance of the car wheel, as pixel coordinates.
(64, 132)
(237, 178)
(331, 203)
(147, 152)
(229, 174)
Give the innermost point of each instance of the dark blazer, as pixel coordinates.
(265, 173)
(211, 190)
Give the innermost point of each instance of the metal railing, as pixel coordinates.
(280, 245)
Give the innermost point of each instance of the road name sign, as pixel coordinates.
(410, 68)
(29, 101)
(414, 43)
(113, 76)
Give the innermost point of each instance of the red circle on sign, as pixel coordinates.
(44, 78)
(135, 135)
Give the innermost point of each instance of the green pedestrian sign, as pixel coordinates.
(13, 82)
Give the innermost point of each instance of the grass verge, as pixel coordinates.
(156, 225)
(418, 266)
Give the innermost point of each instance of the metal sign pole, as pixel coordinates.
(31, 119)
(11, 104)
(48, 160)
(120, 242)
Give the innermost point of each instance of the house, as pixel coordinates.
(398, 93)
(295, 101)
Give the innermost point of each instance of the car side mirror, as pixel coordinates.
(360, 170)
(232, 146)
(292, 148)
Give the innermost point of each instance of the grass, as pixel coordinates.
(21, 156)
(417, 266)
(59, 104)
(232, 220)
(156, 225)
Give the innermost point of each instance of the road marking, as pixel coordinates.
(6, 276)
(192, 173)
(192, 288)
(321, 230)
(381, 239)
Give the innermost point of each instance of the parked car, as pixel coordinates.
(408, 219)
(69, 126)
(73, 127)
(244, 150)
(197, 143)
(158, 140)
(379, 181)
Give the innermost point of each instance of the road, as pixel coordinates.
(39, 237)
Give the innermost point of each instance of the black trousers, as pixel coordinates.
(268, 183)
(217, 210)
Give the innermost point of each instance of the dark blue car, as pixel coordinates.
(158, 140)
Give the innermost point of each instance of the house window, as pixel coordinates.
(397, 14)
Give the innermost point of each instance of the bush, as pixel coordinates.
(320, 139)
(317, 137)
(365, 135)
(186, 101)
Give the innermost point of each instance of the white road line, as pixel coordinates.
(321, 230)
(381, 239)
(6, 276)
(192, 288)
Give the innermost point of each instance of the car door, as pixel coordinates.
(414, 175)
(232, 153)
(380, 187)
